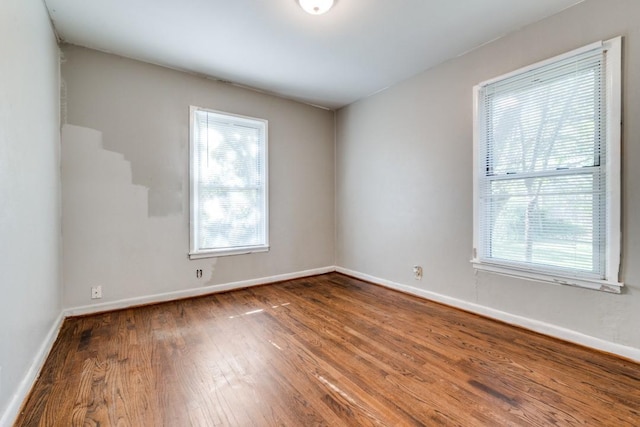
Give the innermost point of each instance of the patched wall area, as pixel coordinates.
(108, 237)
(125, 184)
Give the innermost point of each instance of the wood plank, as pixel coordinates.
(327, 350)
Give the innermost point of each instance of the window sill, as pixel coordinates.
(228, 252)
(598, 285)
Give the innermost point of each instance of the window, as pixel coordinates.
(228, 166)
(547, 170)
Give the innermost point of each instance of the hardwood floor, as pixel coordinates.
(327, 350)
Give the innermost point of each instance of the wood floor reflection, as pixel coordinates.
(327, 350)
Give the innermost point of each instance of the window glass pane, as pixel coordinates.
(232, 156)
(548, 123)
(230, 218)
(546, 221)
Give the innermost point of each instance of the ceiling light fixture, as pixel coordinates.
(316, 7)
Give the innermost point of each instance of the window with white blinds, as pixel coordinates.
(547, 170)
(228, 169)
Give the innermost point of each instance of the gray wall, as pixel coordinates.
(126, 180)
(404, 178)
(29, 190)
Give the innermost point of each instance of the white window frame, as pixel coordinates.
(610, 282)
(195, 251)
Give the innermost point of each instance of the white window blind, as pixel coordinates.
(228, 184)
(547, 170)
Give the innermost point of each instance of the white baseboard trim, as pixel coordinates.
(512, 319)
(188, 293)
(12, 410)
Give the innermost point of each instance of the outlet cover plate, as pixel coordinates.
(96, 292)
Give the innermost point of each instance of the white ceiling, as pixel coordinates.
(359, 47)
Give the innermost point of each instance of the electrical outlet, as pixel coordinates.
(417, 272)
(96, 292)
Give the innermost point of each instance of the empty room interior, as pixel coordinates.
(318, 212)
